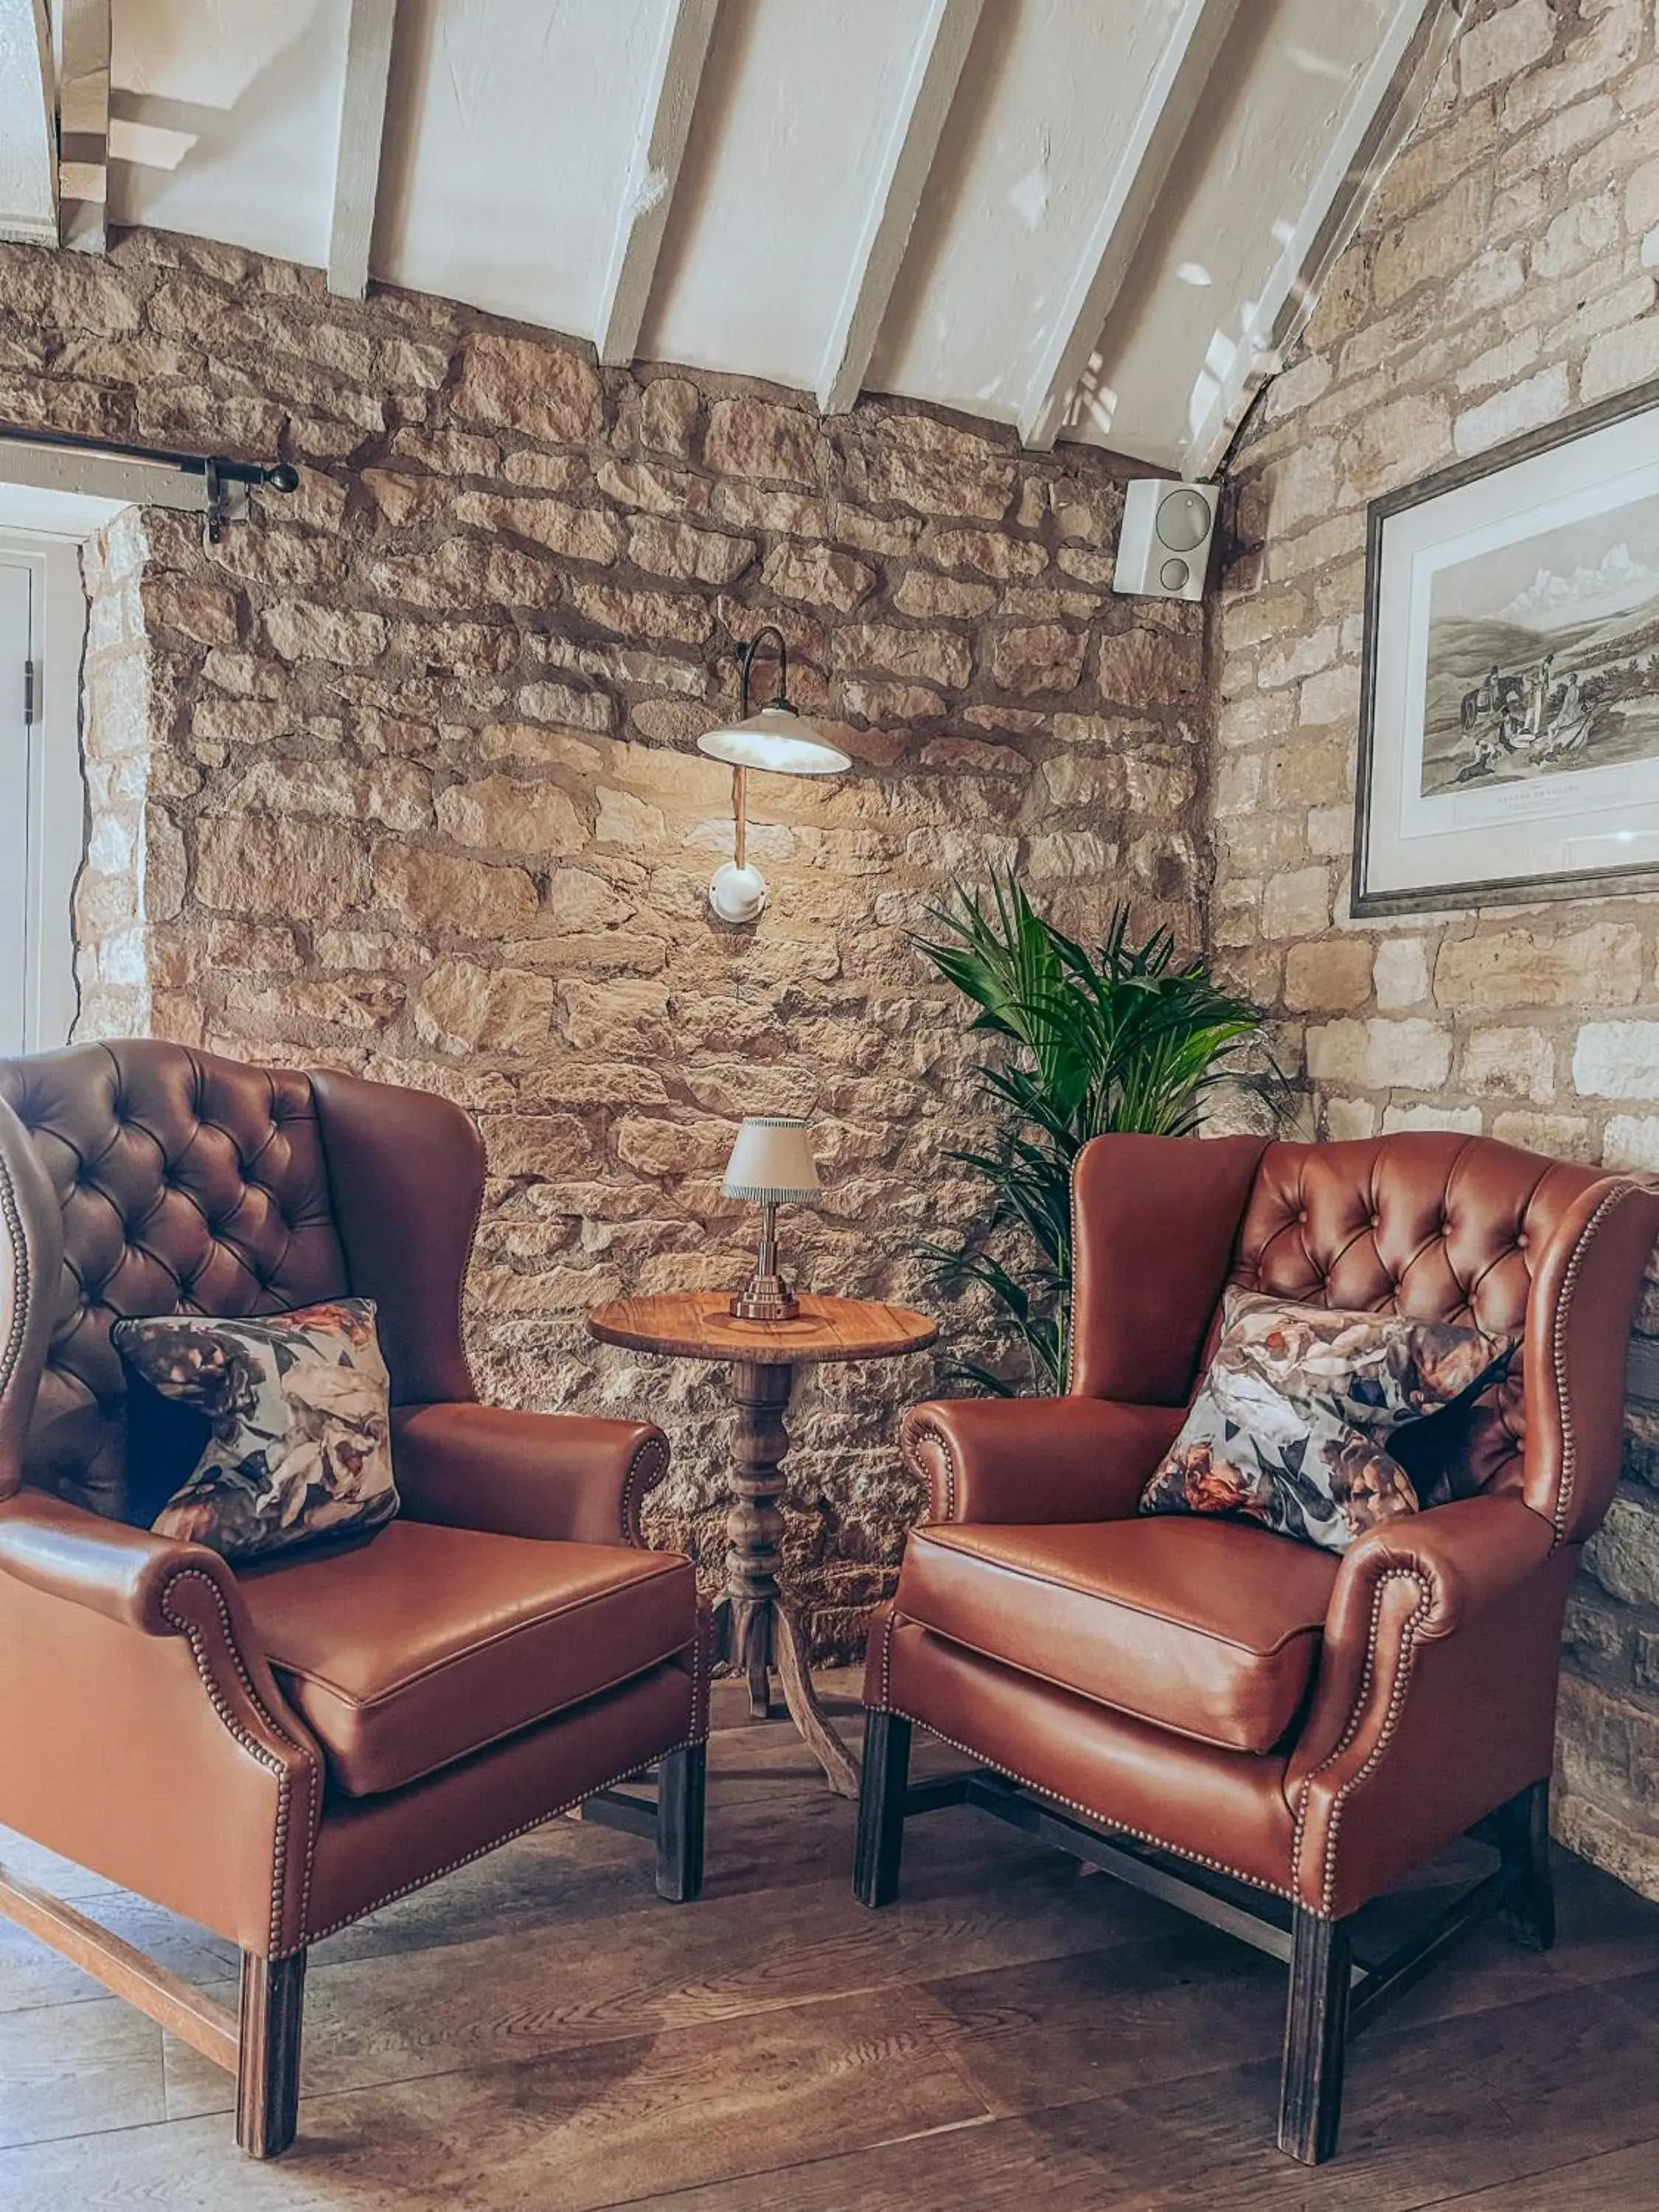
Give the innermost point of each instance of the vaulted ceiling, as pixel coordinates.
(1091, 218)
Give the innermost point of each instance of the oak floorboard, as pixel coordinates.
(1016, 2034)
(1604, 1932)
(1491, 2103)
(1473, 2101)
(1614, 2181)
(1063, 2029)
(763, 1839)
(499, 2000)
(76, 2067)
(596, 2125)
(1006, 2166)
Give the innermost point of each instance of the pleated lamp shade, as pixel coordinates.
(772, 1162)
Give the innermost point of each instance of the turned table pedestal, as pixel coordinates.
(758, 1627)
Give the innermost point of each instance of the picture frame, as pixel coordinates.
(1509, 728)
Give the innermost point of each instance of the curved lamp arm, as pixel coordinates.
(741, 895)
(765, 738)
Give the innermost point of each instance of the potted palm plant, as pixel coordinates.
(1127, 1037)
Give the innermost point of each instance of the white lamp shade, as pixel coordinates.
(772, 1161)
(779, 739)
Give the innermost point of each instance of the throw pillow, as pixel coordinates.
(294, 1414)
(1290, 1424)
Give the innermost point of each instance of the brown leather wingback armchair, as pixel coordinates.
(274, 1752)
(1208, 1709)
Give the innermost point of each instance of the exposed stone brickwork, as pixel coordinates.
(1504, 275)
(111, 961)
(405, 782)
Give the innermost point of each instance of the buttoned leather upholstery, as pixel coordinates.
(274, 1752)
(1147, 1671)
(1450, 1240)
(185, 1184)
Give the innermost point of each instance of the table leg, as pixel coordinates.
(840, 1767)
(754, 1524)
(760, 1633)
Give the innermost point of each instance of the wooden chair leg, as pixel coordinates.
(680, 1792)
(1316, 2038)
(1523, 1829)
(268, 2053)
(883, 1787)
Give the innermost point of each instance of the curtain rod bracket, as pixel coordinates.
(217, 511)
(139, 475)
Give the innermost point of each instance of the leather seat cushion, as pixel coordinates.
(427, 1642)
(1208, 1627)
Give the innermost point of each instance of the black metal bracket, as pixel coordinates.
(745, 656)
(216, 513)
(216, 470)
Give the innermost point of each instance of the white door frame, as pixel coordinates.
(46, 530)
(56, 837)
(20, 595)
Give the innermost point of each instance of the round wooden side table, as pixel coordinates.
(758, 1627)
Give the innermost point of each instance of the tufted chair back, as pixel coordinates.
(1436, 1226)
(142, 1177)
(1440, 1227)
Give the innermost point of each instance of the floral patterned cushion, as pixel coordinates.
(293, 1418)
(1290, 1424)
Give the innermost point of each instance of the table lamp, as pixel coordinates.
(772, 1164)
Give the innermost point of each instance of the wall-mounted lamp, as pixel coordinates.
(776, 739)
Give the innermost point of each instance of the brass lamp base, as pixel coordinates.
(764, 1297)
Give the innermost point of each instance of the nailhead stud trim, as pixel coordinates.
(250, 1743)
(13, 1349)
(1614, 1197)
(1073, 1804)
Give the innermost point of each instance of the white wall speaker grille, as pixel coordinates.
(1163, 547)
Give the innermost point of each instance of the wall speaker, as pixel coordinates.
(1163, 547)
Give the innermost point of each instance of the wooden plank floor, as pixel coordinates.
(539, 2031)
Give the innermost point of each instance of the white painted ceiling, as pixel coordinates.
(1120, 206)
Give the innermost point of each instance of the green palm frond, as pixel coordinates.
(1126, 1037)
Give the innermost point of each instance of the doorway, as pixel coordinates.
(43, 806)
(20, 771)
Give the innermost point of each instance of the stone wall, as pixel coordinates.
(1503, 277)
(118, 893)
(401, 778)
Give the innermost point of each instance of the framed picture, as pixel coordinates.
(1509, 741)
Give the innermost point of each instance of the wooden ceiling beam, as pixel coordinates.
(80, 37)
(936, 71)
(653, 174)
(357, 161)
(1387, 101)
(1153, 140)
(29, 125)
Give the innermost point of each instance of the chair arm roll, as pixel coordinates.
(123, 1572)
(1464, 1556)
(564, 1477)
(1419, 1579)
(1035, 1459)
